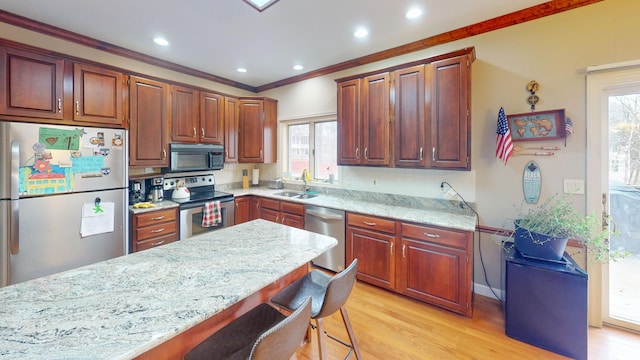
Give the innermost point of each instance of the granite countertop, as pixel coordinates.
(123, 307)
(414, 209)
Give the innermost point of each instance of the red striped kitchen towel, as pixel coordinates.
(211, 215)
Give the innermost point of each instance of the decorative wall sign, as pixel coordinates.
(540, 125)
(533, 99)
(531, 182)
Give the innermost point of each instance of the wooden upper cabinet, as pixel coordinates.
(410, 124)
(349, 122)
(211, 118)
(450, 109)
(257, 130)
(148, 131)
(98, 95)
(231, 124)
(32, 84)
(184, 114)
(375, 120)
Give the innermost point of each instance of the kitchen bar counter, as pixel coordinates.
(413, 209)
(124, 307)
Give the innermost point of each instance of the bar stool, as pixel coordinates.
(328, 295)
(263, 333)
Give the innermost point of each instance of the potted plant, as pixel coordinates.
(543, 231)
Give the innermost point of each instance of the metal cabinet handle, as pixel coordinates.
(194, 132)
(404, 248)
(357, 158)
(365, 153)
(421, 151)
(158, 218)
(369, 223)
(158, 243)
(77, 107)
(157, 231)
(59, 105)
(391, 245)
(164, 153)
(202, 131)
(431, 235)
(433, 153)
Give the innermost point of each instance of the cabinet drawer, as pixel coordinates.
(452, 238)
(270, 204)
(147, 244)
(156, 217)
(292, 208)
(156, 230)
(371, 223)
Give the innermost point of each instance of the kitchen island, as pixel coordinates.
(129, 306)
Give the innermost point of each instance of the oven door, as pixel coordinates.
(191, 219)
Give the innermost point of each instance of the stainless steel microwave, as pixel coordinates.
(195, 157)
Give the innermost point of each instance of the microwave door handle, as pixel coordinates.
(14, 238)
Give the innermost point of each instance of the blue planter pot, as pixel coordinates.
(539, 246)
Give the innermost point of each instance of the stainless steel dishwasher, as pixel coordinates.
(330, 222)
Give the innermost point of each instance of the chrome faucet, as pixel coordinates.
(305, 177)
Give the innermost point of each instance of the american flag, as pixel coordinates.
(504, 146)
(568, 126)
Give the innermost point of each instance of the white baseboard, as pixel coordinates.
(484, 290)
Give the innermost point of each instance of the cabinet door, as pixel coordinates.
(98, 95)
(349, 122)
(295, 221)
(254, 208)
(375, 120)
(269, 214)
(32, 84)
(148, 131)
(436, 274)
(409, 118)
(211, 118)
(231, 122)
(250, 145)
(242, 210)
(184, 114)
(375, 254)
(449, 108)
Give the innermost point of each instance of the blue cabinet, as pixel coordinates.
(546, 304)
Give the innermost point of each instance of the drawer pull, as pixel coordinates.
(431, 235)
(157, 231)
(404, 248)
(59, 105)
(369, 223)
(158, 243)
(391, 246)
(77, 107)
(158, 218)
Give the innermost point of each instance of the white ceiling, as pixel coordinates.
(218, 36)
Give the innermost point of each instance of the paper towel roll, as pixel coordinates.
(255, 178)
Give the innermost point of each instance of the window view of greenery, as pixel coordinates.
(624, 191)
(313, 146)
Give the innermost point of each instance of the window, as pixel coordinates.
(313, 145)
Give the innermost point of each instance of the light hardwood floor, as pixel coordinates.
(390, 327)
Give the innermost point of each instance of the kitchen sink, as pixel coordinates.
(296, 194)
(289, 193)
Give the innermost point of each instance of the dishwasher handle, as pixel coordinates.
(324, 216)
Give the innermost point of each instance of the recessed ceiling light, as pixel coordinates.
(242, 70)
(361, 32)
(298, 67)
(161, 41)
(413, 13)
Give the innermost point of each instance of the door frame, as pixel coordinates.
(601, 81)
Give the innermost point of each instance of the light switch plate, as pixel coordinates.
(574, 186)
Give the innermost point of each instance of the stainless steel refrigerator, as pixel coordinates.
(63, 198)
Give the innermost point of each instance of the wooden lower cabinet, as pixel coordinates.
(283, 212)
(427, 263)
(242, 213)
(154, 228)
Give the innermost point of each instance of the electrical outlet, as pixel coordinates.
(573, 186)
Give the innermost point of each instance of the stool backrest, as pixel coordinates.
(283, 339)
(338, 290)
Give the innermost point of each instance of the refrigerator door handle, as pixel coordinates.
(14, 233)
